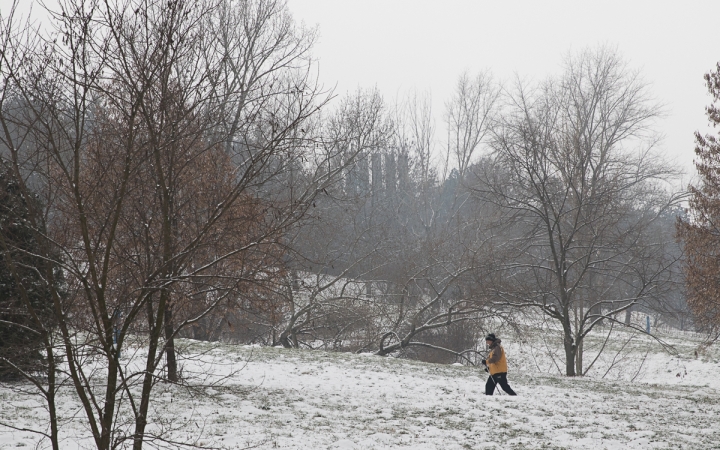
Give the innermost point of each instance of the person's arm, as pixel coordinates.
(494, 355)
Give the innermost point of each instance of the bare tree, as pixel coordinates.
(575, 170)
(162, 137)
(470, 114)
(415, 134)
(335, 250)
(384, 263)
(417, 166)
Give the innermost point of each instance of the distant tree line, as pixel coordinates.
(549, 198)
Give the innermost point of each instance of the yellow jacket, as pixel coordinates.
(496, 361)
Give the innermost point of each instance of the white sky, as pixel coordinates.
(425, 45)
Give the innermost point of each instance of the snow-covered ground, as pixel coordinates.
(299, 399)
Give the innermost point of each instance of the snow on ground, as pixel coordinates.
(300, 399)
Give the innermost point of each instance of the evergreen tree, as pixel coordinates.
(700, 231)
(25, 301)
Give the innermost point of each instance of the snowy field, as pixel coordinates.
(243, 396)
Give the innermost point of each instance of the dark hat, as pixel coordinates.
(490, 337)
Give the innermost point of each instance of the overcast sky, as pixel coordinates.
(401, 45)
(425, 45)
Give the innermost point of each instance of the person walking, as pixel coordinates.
(496, 364)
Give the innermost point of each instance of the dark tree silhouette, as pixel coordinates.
(25, 300)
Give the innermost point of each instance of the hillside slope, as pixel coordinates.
(297, 399)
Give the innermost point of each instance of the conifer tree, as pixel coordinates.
(25, 301)
(700, 229)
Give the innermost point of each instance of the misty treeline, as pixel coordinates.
(174, 170)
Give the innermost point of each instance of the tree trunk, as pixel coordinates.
(170, 346)
(52, 407)
(150, 367)
(579, 356)
(570, 352)
(108, 413)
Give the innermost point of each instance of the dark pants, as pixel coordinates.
(501, 379)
